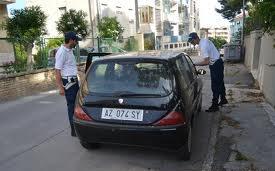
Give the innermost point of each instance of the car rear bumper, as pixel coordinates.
(168, 137)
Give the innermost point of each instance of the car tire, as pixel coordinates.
(184, 153)
(89, 146)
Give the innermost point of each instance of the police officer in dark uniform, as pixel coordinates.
(211, 57)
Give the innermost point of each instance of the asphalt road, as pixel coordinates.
(35, 136)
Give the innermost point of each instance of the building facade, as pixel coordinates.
(160, 21)
(193, 15)
(95, 9)
(236, 28)
(6, 48)
(214, 32)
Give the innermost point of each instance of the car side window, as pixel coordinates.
(191, 64)
(188, 69)
(184, 78)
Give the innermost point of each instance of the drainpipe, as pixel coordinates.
(98, 20)
(137, 17)
(242, 41)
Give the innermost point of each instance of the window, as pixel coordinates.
(171, 46)
(188, 69)
(119, 12)
(131, 77)
(62, 10)
(191, 64)
(146, 14)
(184, 72)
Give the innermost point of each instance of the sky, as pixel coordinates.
(208, 15)
(18, 5)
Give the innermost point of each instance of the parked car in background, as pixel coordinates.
(139, 99)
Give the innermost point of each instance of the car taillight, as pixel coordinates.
(173, 118)
(80, 114)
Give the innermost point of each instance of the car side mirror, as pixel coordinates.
(201, 72)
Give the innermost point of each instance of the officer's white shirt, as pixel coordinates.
(208, 49)
(65, 61)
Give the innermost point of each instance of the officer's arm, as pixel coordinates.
(59, 81)
(204, 62)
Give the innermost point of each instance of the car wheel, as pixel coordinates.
(185, 152)
(89, 146)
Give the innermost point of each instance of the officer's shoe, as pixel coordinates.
(222, 102)
(213, 108)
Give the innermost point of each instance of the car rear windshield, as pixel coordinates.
(130, 78)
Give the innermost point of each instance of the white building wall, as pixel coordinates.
(259, 59)
(222, 32)
(126, 14)
(6, 48)
(174, 18)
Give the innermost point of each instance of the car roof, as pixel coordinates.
(161, 55)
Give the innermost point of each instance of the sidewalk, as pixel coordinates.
(246, 137)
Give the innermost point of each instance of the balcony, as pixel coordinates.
(7, 1)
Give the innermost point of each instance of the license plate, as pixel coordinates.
(122, 114)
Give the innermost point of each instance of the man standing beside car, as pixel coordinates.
(211, 57)
(66, 73)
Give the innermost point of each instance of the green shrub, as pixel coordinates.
(148, 44)
(20, 63)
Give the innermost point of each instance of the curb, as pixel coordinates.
(209, 158)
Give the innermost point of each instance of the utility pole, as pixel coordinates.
(91, 21)
(137, 16)
(98, 20)
(242, 41)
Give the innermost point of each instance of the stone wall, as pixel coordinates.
(25, 84)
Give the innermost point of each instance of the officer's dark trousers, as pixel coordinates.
(217, 82)
(70, 95)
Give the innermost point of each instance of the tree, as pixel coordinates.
(229, 8)
(261, 13)
(218, 42)
(73, 20)
(26, 26)
(109, 27)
